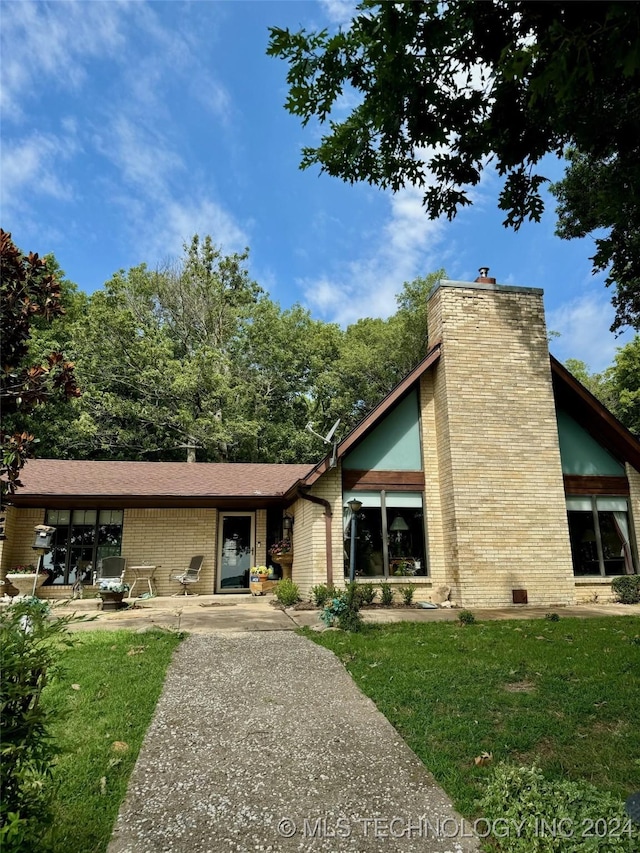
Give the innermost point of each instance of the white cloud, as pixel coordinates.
(339, 11)
(584, 325)
(176, 222)
(32, 166)
(403, 248)
(53, 40)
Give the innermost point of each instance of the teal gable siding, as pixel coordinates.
(581, 453)
(394, 445)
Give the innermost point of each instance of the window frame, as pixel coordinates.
(68, 544)
(595, 511)
(389, 499)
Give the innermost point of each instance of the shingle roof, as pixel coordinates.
(70, 478)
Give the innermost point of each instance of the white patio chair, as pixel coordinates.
(110, 569)
(191, 576)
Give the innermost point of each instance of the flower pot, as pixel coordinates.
(285, 561)
(112, 600)
(24, 583)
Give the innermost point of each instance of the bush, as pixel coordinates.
(627, 588)
(287, 592)
(466, 617)
(366, 593)
(322, 593)
(344, 608)
(30, 659)
(386, 594)
(585, 819)
(407, 593)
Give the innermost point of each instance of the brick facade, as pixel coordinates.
(504, 523)
(494, 504)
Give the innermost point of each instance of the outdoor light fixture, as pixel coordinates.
(355, 506)
(287, 524)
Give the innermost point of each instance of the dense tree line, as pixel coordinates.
(196, 358)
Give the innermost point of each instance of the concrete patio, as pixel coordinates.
(204, 614)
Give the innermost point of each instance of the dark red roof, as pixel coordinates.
(72, 478)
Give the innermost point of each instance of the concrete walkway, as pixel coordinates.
(262, 742)
(202, 614)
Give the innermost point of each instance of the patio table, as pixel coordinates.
(143, 573)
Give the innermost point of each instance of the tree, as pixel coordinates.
(445, 89)
(626, 381)
(28, 290)
(617, 387)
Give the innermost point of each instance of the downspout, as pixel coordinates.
(328, 515)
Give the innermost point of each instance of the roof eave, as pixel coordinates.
(368, 422)
(598, 420)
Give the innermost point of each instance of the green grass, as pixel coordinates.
(118, 676)
(565, 695)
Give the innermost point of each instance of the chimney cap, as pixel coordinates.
(484, 277)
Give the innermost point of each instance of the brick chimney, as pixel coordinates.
(504, 522)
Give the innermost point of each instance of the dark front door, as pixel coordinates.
(235, 551)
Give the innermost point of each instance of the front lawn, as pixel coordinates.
(565, 695)
(106, 696)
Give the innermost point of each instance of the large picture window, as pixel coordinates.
(389, 534)
(82, 538)
(600, 535)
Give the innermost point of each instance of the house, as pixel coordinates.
(489, 469)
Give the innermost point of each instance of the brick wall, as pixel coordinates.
(309, 535)
(16, 548)
(169, 538)
(504, 522)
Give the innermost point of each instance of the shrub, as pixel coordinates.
(366, 593)
(407, 593)
(627, 588)
(322, 593)
(386, 594)
(576, 815)
(466, 617)
(350, 618)
(344, 608)
(30, 659)
(287, 592)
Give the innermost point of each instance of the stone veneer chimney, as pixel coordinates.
(503, 513)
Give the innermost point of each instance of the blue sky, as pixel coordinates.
(128, 127)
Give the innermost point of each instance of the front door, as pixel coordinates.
(235, 550)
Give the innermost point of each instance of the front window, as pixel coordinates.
(82, 538)
(389, 534)
(600, 535)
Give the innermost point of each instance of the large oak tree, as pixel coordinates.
(443, 89)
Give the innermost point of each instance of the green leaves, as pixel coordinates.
(442, 89)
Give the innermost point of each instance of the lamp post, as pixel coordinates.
(355, 506)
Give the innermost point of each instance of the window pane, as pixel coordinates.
(365, 498)
(84, 516)
(612, 544)
(612, 504)
(584, 546)
(579, 504)
(56, 559)
(369, 559)
(403, 499)
(405, 526)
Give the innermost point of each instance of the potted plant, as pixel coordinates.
(260, 573)
(112, 593)
(282, 554)
(23, 578)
